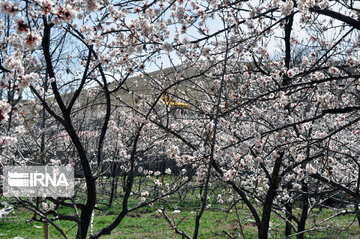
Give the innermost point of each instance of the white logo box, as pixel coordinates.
(38, 181)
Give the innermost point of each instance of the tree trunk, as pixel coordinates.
(265, 219)
(357, 213)
(269, 199)
(46, 230)
(288, 208)
(113, 184)
(304, 212)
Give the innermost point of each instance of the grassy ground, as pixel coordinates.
(149, 223)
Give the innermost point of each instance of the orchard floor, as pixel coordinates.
(148, 223)
(218, 221)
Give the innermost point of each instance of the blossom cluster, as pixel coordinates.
(4, 110)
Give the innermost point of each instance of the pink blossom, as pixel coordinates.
(32, 41)
(9, 8)
(45, 206)
(4, 110)
(310, 169)
(229, 175)
(310, 3)
(167, 46)
(7, 140)
(22, 26)
(157, 182)
(287, 7)
(300, 158)
(291, 73)
(275, 3)
(14, 64)
(27, 79)
(66, 14)
(352, 61)
(145, 194)
(91, 5)
(334, 70)
(206, 51)
(46, 6)
(323, 4)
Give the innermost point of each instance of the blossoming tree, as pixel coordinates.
(235, 104)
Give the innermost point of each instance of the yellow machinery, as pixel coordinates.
(167, 101)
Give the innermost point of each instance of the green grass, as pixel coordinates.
(136, 225)
(148, 223)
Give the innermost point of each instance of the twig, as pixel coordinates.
(227, 234)
(173, 226)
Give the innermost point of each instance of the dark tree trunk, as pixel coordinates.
(356, 202)
(304, 212)
(357, 213)
(288, 208)
(269, 199)
(113, 184)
